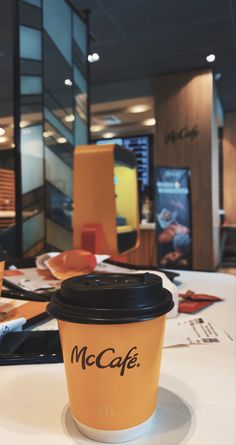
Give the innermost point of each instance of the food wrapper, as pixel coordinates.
(192, 302)
(71, 263)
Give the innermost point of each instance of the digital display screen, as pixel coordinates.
(140, 145)
(173, 217)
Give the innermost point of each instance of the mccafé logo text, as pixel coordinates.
(183, 133)
(105, 359)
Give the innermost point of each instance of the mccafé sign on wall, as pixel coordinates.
(184, 133)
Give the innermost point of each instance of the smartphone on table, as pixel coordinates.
(30, 347)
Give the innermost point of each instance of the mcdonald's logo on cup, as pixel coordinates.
(111, 330)
(106, 410)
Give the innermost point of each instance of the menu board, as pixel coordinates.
(173, 218)
(140, 145)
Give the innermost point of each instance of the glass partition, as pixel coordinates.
(7, 146)
(53, 118)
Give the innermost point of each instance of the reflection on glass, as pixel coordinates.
(58, 125)
(57, 23)
(33, 2)
(59, 207)
(33, 231)
(80, 80)
(31, 85)
(81, 132)
(80, 33)
(30, 43)
(32, 157)
(57, 236)
(7, 146)
(58, 173)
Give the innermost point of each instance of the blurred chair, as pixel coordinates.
(106, 214)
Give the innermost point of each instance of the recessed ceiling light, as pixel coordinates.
(3, 139)
(138, 108)
(211, 58)
(70, 118)
(24, 124)
(2, 131)
(149, 122)
(108, 135)
(47, 134)
(61, 140)
(93, 57)
(96, 128)
(68, 82)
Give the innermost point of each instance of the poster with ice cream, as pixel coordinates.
(173, 217)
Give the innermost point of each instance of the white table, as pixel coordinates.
(197, 392)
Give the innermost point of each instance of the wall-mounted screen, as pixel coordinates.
(141, 146)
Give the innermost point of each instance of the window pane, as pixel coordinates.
(33, 2)
(57, 22)
(33, 231)
(58, 173)
(32, 158)
(81, 132)
(80, 80)
(58, 237)
(80, 33)
(30, 43)
(31, 85)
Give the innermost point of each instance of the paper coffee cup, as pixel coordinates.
(111, 330)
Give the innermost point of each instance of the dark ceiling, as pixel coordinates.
(143, 38)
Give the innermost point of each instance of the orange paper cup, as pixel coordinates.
(111, 329)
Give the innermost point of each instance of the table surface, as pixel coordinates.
(197, 392)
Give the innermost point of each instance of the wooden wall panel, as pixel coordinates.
(145, 254)
(229, 168)
(185, 101)
(7, 198)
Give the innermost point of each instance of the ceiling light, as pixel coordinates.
(2, 131)
(93, 57)
(149, 122)
(24, 124)
(138, 108)
(68, 82)
(96, 128)
(211, 58)
(47, 134)
(61, 140)
(3, 139)
(108, 135)
(70, 118)
(13, 145)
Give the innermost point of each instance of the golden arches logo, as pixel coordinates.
(106, 410)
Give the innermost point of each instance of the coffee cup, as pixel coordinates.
(111, 329)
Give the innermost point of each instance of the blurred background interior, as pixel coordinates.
(155, 76)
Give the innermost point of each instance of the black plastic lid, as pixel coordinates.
(111, 298)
